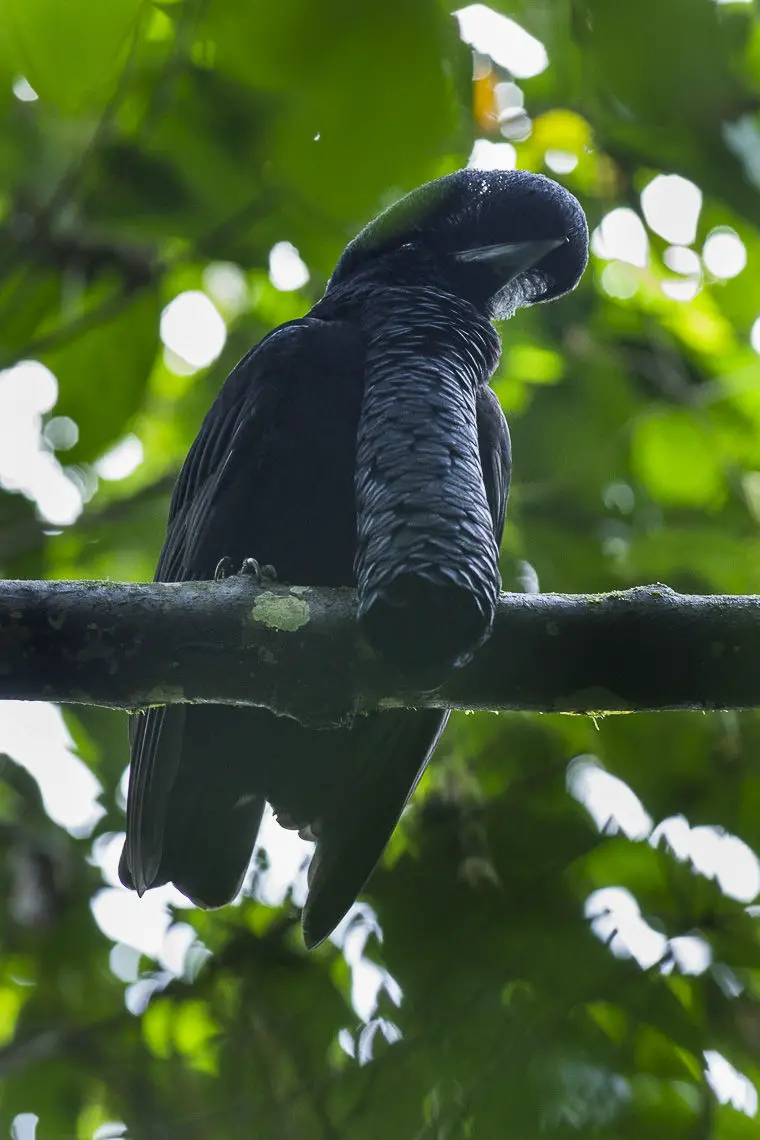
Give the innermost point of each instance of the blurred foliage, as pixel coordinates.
(177, 138)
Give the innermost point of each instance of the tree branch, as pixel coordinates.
(297, 650)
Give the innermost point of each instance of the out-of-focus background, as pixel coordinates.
(561, 940)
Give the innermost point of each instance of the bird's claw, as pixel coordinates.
(223, 569)
(263, 574)
(250, 567)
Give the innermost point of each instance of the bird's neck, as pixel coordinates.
(421, 320)
(433, 324)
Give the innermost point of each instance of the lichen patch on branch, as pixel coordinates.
(286, 614)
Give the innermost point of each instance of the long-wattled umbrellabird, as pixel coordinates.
(360, 445)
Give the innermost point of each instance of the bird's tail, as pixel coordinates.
(346, 787)
(389, 752)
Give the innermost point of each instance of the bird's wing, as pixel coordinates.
(244, 388)
(235, 442)
(238, 419)
(495, 456)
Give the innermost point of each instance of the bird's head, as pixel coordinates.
(499, 238)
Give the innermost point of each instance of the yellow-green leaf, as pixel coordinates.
(71, 51)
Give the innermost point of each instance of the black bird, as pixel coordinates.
(360, 445)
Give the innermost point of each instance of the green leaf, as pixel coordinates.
(103, 373)
(617, 39)
(70, 51)
(356, 84)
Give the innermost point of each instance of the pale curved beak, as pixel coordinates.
(511, 258)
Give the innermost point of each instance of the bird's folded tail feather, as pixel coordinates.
(358, 821)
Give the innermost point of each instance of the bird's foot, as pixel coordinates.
(251, 567)
(223, 569)
(264, 575)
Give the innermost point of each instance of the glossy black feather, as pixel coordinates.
(427, 555)
(360, 445)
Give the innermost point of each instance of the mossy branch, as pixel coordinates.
(297, 650)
